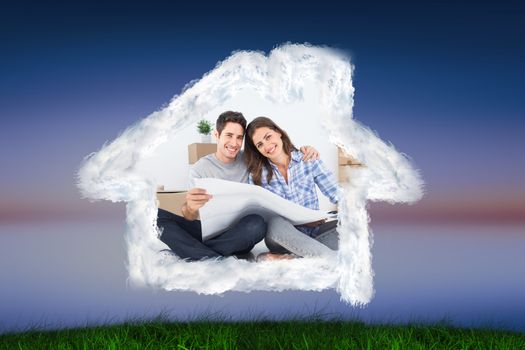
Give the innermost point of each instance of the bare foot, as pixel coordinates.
(274, 256)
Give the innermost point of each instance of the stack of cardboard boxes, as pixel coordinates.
(173, 200)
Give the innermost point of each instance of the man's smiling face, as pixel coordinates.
(229, 142)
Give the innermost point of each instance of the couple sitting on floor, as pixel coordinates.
(269, 160)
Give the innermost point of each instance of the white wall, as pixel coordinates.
(302, 121)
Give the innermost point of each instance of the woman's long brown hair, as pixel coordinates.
(255, 161)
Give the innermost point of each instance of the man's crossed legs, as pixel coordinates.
(184, 237)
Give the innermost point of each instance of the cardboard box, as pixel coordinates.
(344, 162)
(198, 150)
(341, 174)
(344, 159)
(344, 173)
(171, 200)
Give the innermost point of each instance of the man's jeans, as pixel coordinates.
(184, 237)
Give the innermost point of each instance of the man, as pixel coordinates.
(183, 234)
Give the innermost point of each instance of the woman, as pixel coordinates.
(275, 164)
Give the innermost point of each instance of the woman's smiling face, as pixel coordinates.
(268, 142)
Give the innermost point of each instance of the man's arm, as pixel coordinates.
(195, 199)
(310, 153)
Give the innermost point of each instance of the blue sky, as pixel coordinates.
(442, 81)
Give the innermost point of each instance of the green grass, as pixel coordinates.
(264, 335)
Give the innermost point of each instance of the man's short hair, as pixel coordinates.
(230, 117)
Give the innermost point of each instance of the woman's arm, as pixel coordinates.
(325, 180)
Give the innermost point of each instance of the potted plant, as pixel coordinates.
(204, 128)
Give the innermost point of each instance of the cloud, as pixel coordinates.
(281, 77)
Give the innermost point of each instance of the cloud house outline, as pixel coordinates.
(281, 76)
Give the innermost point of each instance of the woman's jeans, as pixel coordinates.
(283, 237)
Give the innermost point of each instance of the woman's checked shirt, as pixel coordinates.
(302, 178)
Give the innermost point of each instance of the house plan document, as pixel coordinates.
(233, 200)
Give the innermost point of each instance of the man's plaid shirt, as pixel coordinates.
(302, 178)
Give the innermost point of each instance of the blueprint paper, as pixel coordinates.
(233, 200)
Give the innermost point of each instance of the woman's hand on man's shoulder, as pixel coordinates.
(309, 153)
